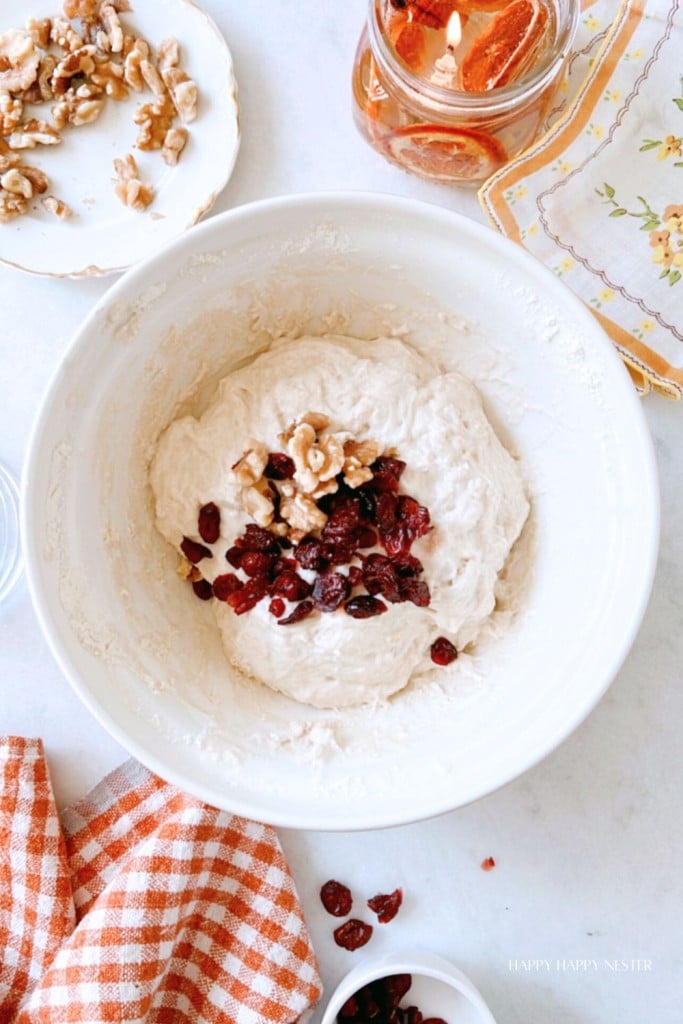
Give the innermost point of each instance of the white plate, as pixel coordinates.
(144, 654)
(104, 236)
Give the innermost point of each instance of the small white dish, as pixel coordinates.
(438, 989)
(103, 236)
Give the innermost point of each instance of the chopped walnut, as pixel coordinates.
(81, 8)
(57, 206)
(155, 120)
(77, 107)
(187, 571)
(41, 90)
(18, 61)
(317, 459)
(249, 469)
(65, 35)
(168, 54)
(318, 420)
(183, 92)
(131, 69)
(109, 77)
(358, 457)
(40, 31)
(79, 63)
(11, 111)
(258, 505)
(153, 79)
(17, 183)
(174, 143)
(112, 27)
(302, 514)
(129, 188)
(33, 133)
(11, 205)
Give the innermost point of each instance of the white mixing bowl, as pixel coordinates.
(144, 655)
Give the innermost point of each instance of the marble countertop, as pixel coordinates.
(579, 922)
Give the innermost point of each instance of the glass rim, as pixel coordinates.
(452, 101)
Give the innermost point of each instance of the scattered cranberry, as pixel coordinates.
(299, 612)
(414, 590)
(277, 607)
(378, 1002)
(366, 537)
(336, 898)
(291, 586)
(352, 934)
(257, 538)
(225, 585)
(209, 523)
(386, 906)
(355, 576)
(234, 555)
(329, 590)
(364, 607)
(386, 473)
(488, 864)
(379, 577)
(248, 596)
(202, 589)
(256, 563)
(310, 554)
(442, 651)
(279, 466)
(193, 551)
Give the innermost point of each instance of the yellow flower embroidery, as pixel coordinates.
(670, 147)
(663, 255)
(596, 130)
(591, 23)
(521, 192)
(606, 295)
(613, 95)
(636, 54)
(647, 326)
(566, 264)
(532, 230)
(673, 219)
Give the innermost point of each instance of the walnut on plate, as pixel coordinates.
(129, 188)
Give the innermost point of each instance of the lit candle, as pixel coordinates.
(445, 68)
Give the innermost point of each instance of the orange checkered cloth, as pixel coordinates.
(142, 904)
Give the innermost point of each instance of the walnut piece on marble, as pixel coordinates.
(57, 207)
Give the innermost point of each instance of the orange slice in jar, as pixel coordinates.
(500, 51)
(470, 6)
(445, 154)
(433, 13)
(408, 39)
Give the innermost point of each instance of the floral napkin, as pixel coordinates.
(599, 199)
(141, 903)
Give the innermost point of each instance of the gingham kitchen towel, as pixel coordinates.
(142, 904)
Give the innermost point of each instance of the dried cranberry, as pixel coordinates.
(290, 585)
(256, 563)
(329, 590)
(366, 537)
(432, 1020)
(336, 898)
(352, 934)
(342, 524)
(256, 538)
(355, 575)
(386, 906)
(251, 593)
(277, 607)
(442, 651)
(412, 1016)
(379, 577)
(193, 551)
(234, 555)
(394, 988)
(488, 864)
(225, 585)
(414, 590)
(349, 1010)
(279, 466)
(412, 521)
(284, 565)
(209, 523)
(299, 612)
(364, 607)
(385, 469)
(310, 554)
(386, 510)
(202, 589)
(407, 565)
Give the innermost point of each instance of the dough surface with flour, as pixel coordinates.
(455, 465)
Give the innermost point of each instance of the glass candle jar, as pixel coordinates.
(452, 89)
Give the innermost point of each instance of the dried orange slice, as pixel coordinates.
(408, 39)
(500, 51)
(433, 13)
(470, 6)
(445, 154)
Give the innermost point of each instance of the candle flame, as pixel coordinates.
(453, 31)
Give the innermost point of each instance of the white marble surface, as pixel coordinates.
(587, 844)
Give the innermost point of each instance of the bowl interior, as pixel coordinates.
(144, 654)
